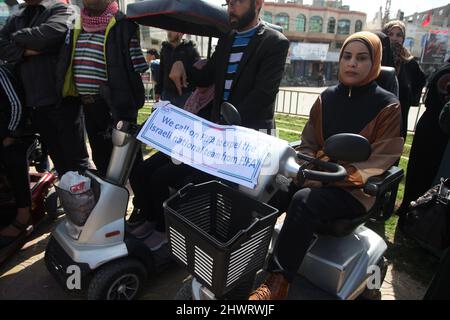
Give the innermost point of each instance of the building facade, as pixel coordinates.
(316, 33)
(428, 29)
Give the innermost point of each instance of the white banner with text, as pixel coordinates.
(233, 153)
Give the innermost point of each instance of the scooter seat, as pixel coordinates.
(341, 227)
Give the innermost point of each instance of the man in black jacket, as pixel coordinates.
(246, 67)
(32, 39)
(175, 49)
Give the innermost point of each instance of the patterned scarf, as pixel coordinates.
(98, 23)
(401, 55)
(201, 96)
(394, 24)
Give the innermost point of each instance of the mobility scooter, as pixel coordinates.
(341, 258)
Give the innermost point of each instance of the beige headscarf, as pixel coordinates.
(373, 43)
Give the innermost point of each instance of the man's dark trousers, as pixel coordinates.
(62, 129)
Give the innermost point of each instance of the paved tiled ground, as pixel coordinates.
(25, 276)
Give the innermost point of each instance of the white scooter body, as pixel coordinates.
(90, 244)
(102, 239)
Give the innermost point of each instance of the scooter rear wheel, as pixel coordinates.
(119, 280)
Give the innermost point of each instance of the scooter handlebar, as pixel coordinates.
(334, 172)
(128, 127)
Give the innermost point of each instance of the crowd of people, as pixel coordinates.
(68, 77)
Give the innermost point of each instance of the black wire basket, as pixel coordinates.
(218, 233)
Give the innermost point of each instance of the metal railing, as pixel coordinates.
(300, 101)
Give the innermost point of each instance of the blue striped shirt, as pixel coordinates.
(240, 42)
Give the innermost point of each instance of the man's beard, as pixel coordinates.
(246, 19)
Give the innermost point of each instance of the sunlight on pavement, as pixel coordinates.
(32, 245)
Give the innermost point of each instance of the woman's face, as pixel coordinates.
(355, 64)
(396, 35)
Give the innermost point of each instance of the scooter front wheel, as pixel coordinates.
(119, 280)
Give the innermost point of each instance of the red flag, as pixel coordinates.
(427, 20)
